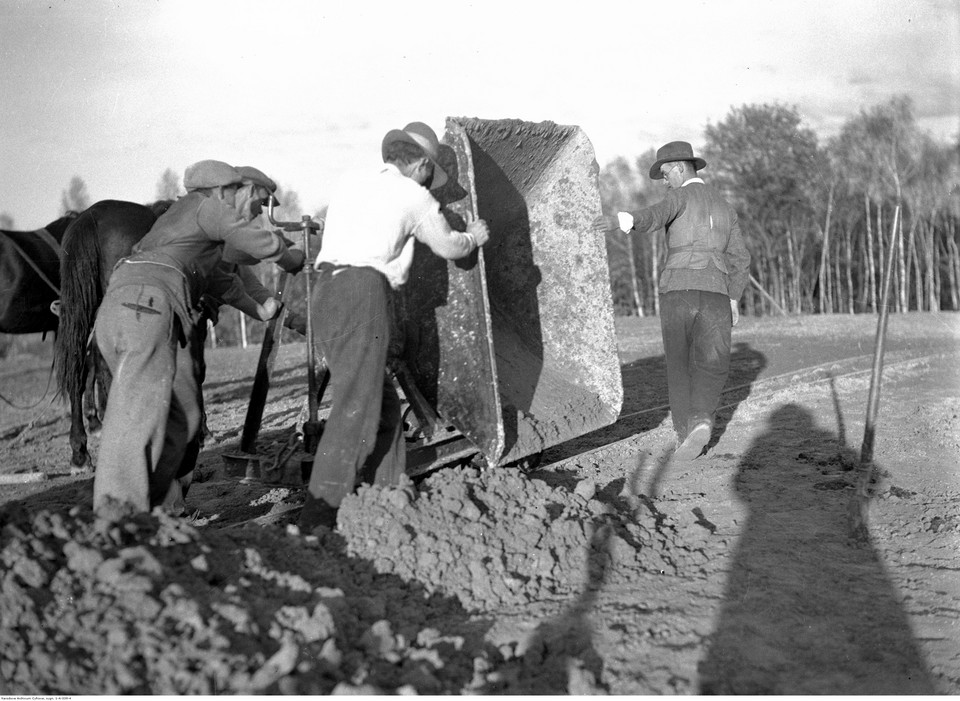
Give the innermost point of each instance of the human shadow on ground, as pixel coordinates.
(645, 403)
(807, 609)
(559, 656)
(746, 365)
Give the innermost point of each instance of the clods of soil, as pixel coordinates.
(609, 568)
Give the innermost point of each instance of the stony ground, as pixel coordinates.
(607, 569)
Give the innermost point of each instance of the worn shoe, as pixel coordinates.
(694, 443)
(174, 502)
(316, 512)
(675, 442)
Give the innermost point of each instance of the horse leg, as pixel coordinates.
(104, 378)
(90, 398)
(197, 341)
(78, 436)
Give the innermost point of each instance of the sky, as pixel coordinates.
(117, 91)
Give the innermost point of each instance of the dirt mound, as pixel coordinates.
(498, 540)
(495, 537)
(149, 604)
(616, 571)
(120, 604)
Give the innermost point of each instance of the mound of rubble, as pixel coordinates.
(495, 538)
(392, 602)
(149, 604)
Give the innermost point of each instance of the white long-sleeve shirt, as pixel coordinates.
(373, 219)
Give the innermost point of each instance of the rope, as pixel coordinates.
(32, 406)
(32, 264)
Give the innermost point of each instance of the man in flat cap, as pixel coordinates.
(371, 224)
(148, 315)
(257, 190)
(250, 296)
(705, 273)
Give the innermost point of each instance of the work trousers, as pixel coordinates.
(151, 427)
(696, 343)
(363, 437)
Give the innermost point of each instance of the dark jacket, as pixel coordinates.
(705, 249)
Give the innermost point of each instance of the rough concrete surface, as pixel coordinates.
(607, 569)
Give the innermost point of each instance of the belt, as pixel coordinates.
(336, 268)
(332, 268)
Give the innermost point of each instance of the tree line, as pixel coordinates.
(817, 217)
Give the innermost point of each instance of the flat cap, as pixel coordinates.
(210, 173)
(257, 177)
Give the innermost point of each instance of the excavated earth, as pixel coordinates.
(607, 568)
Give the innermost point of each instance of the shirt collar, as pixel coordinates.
(693, 180)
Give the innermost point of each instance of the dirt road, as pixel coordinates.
(605, 570)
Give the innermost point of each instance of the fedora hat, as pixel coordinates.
(421, 135)
(675, 151)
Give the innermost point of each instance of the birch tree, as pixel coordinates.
(772, 170)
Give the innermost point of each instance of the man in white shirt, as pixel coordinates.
(368, 240)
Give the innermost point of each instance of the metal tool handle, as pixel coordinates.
(311, 428)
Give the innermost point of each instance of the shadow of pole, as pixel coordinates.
(841, 424)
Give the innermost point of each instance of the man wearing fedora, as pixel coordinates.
(706, 271)
(371, 223)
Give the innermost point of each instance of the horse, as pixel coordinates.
(30, 277)
(92, 245)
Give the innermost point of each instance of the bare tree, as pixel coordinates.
(619, 191)
(889, 162)
(772, 169)
(168, 187)
(75, 197)
(816, 220)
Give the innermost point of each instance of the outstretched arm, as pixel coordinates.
(434, 231)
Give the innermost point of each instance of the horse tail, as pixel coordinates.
(81, 291)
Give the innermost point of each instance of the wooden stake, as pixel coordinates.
(863, 494)
(766, 295)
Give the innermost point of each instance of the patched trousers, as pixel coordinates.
(696, 328)
(363, 436)
(153, 411)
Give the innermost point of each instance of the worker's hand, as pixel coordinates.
(603, 224)
(296, 322)
(313, 242)
(478, 229)
(269, 309)
(292, 261)
(734, 312)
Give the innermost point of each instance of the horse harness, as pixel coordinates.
(47, 238)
